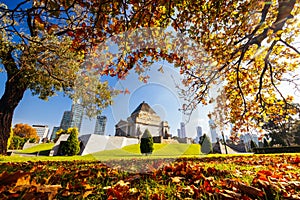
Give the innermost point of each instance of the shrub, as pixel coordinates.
(11, 134)
(146, 145)
(17, 142)
(206, 146)
(253, 145)
(266, 143)
(267, 150)
(71, 146)
(32, 140)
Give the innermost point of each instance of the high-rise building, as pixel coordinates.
(72, 118)
(66, 120)
(42, 131)
(199, 133)
(182, 130)
(213, 130)
(178, 133)
(54, 130)
(100, 125)
(77, 115)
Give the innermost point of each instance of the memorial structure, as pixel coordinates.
(142, 118)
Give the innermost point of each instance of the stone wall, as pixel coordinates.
(54, 151)
(92, 143)
(185, 140)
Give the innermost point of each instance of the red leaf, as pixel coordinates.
(70, 33)
(126, 91)
(265, 172)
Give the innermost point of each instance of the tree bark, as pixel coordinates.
(13, 94)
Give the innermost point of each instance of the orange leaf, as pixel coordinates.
(8, 179)
(25, 180)
(265, 172)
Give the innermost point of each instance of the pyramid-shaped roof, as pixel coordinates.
(143, 107)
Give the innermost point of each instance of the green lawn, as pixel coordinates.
(160, 151)
(127, 152)
(38, 148)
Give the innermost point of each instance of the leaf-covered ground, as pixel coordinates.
(235, 177)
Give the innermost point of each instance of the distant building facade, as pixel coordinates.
(54, 131)
(213, 130)
(77, 115)
(199, 133)
(142, 118)
(66, 120)
(182, 130)
(178, 133)
(42, 131)
(100, 125)
(72, 118)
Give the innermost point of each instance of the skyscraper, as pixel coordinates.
(199, 131)
(100, 125)
(213, 130)
(182, 130)
(72, 118)
(66, 120)
(178, 133)
(77, 115)
(54, 130)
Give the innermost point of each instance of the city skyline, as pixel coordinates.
(100, 125)
(160, 92)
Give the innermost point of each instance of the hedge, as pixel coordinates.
(266, 150)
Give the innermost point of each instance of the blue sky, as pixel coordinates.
(159, 93)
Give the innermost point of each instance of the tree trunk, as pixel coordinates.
(13, 94)
(5, 124)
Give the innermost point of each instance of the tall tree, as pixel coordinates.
(25, 131)
(252, 49)
(49, 46)
(279, 125)
(42, 48)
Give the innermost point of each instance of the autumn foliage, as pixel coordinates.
(248, 46)
(25, 131)
(236, 177)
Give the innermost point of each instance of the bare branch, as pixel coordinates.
(290, 46)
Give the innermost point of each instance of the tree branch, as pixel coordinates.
(290, 46)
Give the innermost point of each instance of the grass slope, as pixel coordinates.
(127, 152)
(38, 148)
(160, 151)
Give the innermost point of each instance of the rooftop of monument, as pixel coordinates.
(143, 107)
